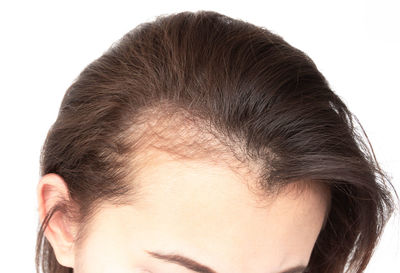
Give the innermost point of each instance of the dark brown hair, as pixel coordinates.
(262, 99)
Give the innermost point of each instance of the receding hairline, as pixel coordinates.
(185, 136)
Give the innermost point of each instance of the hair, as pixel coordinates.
(201, 84)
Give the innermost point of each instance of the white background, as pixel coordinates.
(45, 44)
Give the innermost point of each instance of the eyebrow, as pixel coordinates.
(198, 267)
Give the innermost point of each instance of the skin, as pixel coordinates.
(196, 209)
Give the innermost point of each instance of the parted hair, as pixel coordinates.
(233, 88)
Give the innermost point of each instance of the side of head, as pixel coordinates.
(221, 97)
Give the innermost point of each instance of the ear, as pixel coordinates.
(59, 232)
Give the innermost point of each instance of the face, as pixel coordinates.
(206, 214)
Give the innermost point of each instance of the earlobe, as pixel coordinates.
(52, 189)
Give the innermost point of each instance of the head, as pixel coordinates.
(202, 143)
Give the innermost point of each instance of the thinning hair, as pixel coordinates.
(205, 85)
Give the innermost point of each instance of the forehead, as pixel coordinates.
(188, 204)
